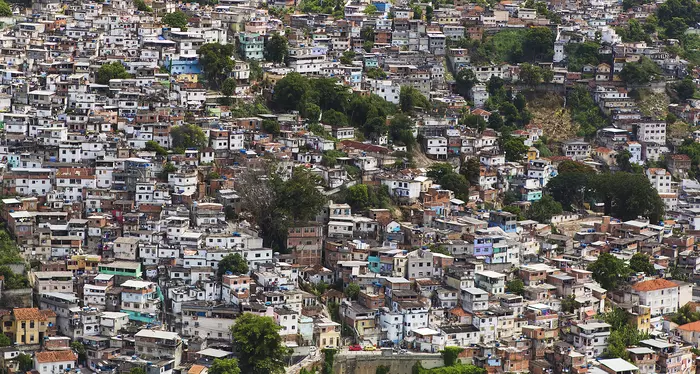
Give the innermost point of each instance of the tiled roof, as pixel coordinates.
(196, 369)
(653, 285)
(693, 326)
(48, 313)
(55, 356)
(28, 314)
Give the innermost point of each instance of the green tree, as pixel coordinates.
(357, 197)
(686, 10)
(330, 158)
(622, 160)
(685, 88)
(271, 126)
(634, 32)
(26, 363)
(439, 171)
(113, 70)
(382, 369)
(352, 291)
(410, 98)
(329, 94)
(495, 121)
(5, 9)
(188, 136)
(417, 12)
(299, 195)
(584, 111)
(259, 345)
(641, 262)
(640, 72)
(376, 73)
(225, 366)
(13, 281)
(5, 341)
(215, 60)
(228, 87)
(312, 112)
(444, 175)
(428, 14)
(515, 149)
(569, 304)
(609, 271)
(676, 27)
(544, 209)
(291, 92)
(370, 9)
(256, 71)
(580, 54)
(473, 121)
(538, 44)
(276, 48)
(274, 204)
(471, 169)
(176, 19)
(153, 146)
(569, 166)
(234, 263)
(401, 130)
(620, 339)
(547, 76)
(514, 209)
(334, 118)
(686, 314)
(515, 286)
(137, 370)
(347, 57)
(530, 75)
(450, 354)
(79, 349)
(456, 183)
(367, 33)
(142, 7)
(627, 195)
(465, 79)
(617, 318)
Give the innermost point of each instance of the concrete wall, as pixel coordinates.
(349, 363)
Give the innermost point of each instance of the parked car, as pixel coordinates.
(370, 348)
(355, 347)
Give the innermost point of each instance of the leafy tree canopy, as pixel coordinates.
(640, 72)
(112, 70)
(641, 262)
(259, 344)
(188, 136)
(276, 48)
(233, 263)
(544, 209)
(216, 62)
(176, 19)
(609, 271)
(411, 98)
(225, 366)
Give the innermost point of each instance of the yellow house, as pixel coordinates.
(640, 318)
(533, 154)
(327, 334)
(28, 326)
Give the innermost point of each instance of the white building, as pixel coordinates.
(661, 295)
(591, 338)
(51, 362)
(650, 131)
(663, 182)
